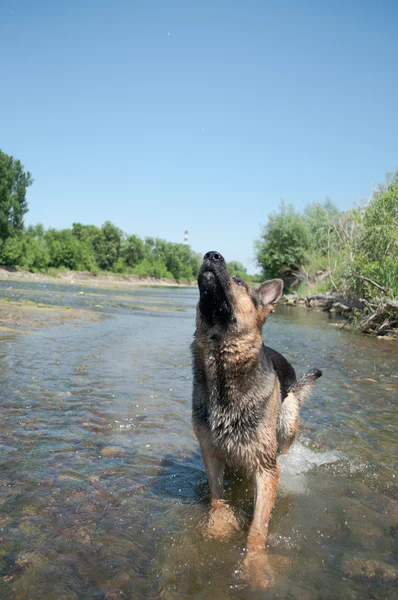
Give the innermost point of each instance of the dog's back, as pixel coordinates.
(284, 370)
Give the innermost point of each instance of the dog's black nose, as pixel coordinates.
(213, 257)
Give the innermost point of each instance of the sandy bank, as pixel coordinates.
(106, 280)
(25, 317)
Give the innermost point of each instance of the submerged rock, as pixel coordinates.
(368, 569)
(112, 451)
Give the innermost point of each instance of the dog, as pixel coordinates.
(246, 398)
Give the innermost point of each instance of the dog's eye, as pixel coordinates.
(238, 280)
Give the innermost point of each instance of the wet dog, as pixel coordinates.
(246, 397)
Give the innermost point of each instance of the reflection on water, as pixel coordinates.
(102, 488)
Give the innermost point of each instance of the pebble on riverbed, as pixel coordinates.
(112, 451)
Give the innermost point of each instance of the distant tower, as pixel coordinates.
(186, 237)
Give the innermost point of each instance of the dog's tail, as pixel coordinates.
(303, 386)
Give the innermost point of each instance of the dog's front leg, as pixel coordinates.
(266, 482)
(221, 520)
(256, 565)
(214, 468)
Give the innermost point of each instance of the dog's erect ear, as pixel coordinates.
(270, 291)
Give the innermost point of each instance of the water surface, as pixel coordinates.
(102, 487)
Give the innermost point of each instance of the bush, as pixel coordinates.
(152, 268)
(322, 220)
(353, 252)
(372, 251)
(284, 243)
(120, 266)
(11, 251)
(35, 256)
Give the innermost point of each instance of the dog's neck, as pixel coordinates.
(234, 350)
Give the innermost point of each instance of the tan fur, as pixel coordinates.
(288, 422)
(248, 318)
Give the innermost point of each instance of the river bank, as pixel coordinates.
(379, 319)
(105, 280)
(25, 316)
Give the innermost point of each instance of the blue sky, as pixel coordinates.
(163, 116)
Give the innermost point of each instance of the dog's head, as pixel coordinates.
(228, 303)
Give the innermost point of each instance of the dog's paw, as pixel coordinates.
(221, 522)
(257, 571)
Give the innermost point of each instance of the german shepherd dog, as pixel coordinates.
(246, 398)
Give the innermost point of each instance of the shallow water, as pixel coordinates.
(102, 488)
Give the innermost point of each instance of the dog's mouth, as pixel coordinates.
(207, 280)
(214, 288)
(213, 275)
(208, 275)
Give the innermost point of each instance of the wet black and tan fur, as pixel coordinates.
(246, 397)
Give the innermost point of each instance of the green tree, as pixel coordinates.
(237, 269)
(84, 233)
(283, 244)
(36, 231)
(133, 250)
(12, 251)
(14, 181)
(67, 251)
(106, 244)
(35, 255)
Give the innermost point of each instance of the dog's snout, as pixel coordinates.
(213, 257)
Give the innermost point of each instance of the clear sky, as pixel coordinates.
(169, 115)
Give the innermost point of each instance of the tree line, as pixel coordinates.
(84, 247)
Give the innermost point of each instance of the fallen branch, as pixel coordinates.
(392, 305)
(372, 282)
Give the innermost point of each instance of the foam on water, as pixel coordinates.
(298, 461)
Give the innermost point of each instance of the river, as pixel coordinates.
(102, 487)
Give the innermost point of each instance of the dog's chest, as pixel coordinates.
(234, 406)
